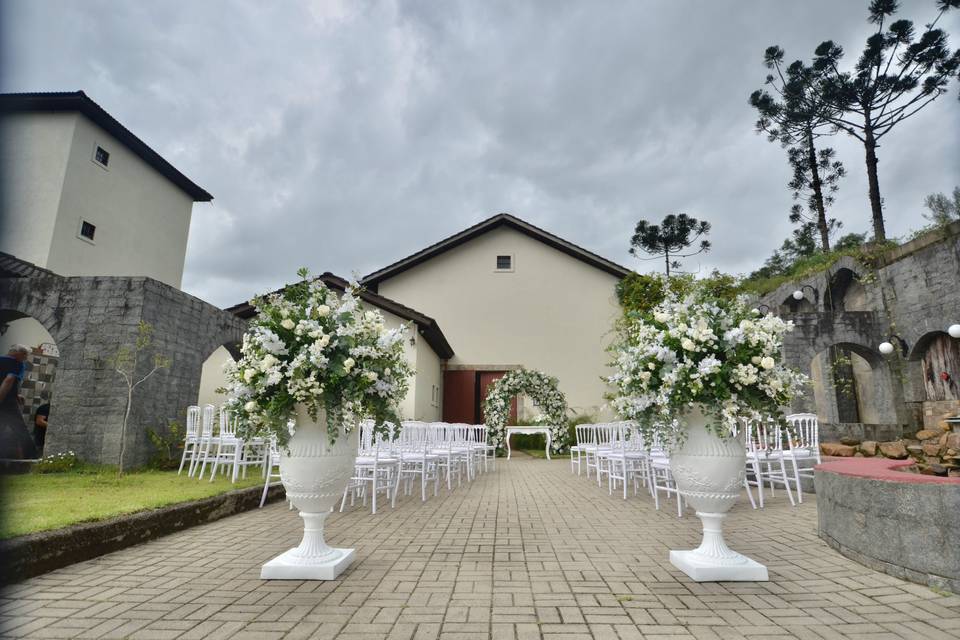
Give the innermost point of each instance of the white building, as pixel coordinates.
(507, 295)
(83, 196)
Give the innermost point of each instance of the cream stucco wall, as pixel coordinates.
(52, 183)
(34, 153)
(427, 383)
(212, 377)
(552, 312)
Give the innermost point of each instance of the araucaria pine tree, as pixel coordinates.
(669, 238)
(898, 74)
(796, 118)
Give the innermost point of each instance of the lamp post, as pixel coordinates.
(798, 294)
(763, 310)
(886, 347)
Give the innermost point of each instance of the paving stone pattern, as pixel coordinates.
(529, 551)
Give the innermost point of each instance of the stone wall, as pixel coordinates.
(900, 523)
(89, 319)
(911, 292)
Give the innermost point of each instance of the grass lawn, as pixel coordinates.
(40, 502)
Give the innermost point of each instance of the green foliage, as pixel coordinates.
(168, 443)
(943, 209)
(764, 281)
(639, 293)
(57, 463)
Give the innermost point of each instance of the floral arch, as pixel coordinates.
(544, 392)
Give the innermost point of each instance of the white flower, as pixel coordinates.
(249, 374)
(755, 359)
(688, 344)
(768, 363)
(661, 316)
(323, 311)
(250, 407)
(371, 376)
(268, 362)
(288, 324)
(349, 364)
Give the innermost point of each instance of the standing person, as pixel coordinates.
(15, 440)
(40, 418)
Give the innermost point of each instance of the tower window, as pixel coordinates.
(87, 230)
(102, 156)
(504, 263)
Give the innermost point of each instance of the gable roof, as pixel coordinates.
(497, 221)
(426, 326)
(80, 102)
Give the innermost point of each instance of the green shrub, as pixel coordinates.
(57, 463)
(169, 446)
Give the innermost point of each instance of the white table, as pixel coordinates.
(527, 431)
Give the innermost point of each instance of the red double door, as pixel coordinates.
(464, 391)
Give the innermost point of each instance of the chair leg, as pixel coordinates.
(786, 482)
(343, 502)
(183, 458)
(796, 478)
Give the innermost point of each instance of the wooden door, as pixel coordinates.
(941, 368)
(486, 378)
(459, 396)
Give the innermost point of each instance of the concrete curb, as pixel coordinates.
(37, 553)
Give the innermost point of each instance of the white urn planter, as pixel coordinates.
(314, 474)
(709, 472)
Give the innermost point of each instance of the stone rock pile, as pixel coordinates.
(935, 452)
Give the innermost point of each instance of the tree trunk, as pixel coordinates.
(666, 257)
(123, 431)
(876, 205)
(818, 193)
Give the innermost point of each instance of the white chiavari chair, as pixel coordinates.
(191, 439)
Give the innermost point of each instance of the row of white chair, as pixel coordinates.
(215, 442)
(775, 456)
(416, 452)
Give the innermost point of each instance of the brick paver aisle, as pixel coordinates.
(527, 552)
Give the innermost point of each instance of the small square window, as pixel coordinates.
(102, 156)
(504, 263)
(87, 230)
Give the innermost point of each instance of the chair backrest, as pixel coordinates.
(805, 430)
(206, 427)
(193, 421)
(366, 436)
(228, 425)
(764, 436)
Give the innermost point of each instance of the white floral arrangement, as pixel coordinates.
(721, 354)
(539, 387)
(308, 345)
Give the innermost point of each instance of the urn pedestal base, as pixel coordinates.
(313, 559)
(288, 566)
(713, 560)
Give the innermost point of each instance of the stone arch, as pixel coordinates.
(938, 357)
(212, 374)
(853, 383)
(38, 386)
(845, 292)
(792, 305)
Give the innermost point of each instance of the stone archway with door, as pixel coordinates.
(935, 359)
(89, 318)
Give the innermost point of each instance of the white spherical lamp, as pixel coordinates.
(886, 348)
(798, 295)
(954, 331)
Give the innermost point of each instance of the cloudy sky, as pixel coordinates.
(345, 135)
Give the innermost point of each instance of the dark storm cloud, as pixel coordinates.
(345, 135)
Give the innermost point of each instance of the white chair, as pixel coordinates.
(765, 453)
(191, 439)
(586, 440)
(229, 447)
(451, 456)
(803, 439)
(375, 468)
(600, 453)
(207, 440)
(625, 461)
(272, 462)
(416, 460)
